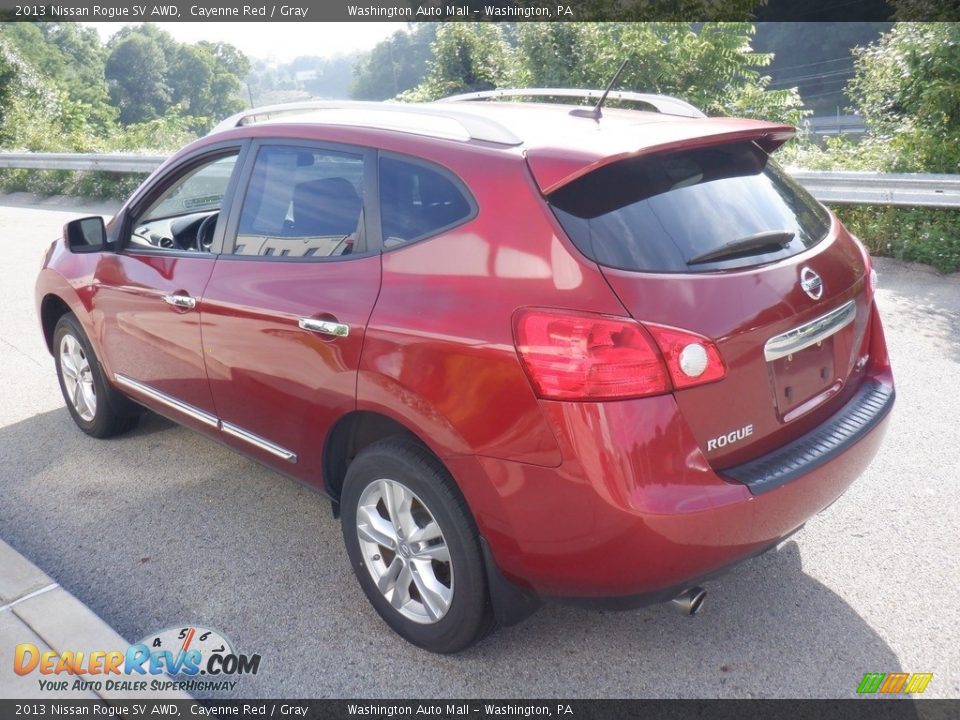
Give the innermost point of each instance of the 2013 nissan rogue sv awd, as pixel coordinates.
(526, 348)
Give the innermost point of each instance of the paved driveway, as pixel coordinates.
(164, 527)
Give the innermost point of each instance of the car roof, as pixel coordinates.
(498, 123)
(560, 141)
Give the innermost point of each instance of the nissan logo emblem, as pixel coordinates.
(811, 283)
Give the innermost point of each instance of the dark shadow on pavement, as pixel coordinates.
(164, 527)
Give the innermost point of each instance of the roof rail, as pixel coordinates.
(387, 115)
(663, 103)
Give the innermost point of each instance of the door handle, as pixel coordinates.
(326, 327)
(180, 301)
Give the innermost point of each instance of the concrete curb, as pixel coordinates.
(35, 609)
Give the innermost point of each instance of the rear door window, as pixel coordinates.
(418, 200)
(714, 208)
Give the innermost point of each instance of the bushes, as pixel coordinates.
(100, 185)
(154, 137)
(43, 112)
(926, 235)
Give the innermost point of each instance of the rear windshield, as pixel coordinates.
(714, 208)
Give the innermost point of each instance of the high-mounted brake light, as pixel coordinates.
(582, 356)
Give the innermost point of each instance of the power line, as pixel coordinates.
(807, 79)
(823, 73)
(825, 87)
(819, 62)
(823, 94)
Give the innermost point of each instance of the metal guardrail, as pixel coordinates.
(869, 188)
(842, 188)
(106, 162)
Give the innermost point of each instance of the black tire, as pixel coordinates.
(468, 617)
(113, 413)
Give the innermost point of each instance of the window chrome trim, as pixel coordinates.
(164, 399)
(257, 441)
(810, 333)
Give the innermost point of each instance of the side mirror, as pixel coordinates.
(86, 234)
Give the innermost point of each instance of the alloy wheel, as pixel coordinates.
(78, 378)
(404, 551)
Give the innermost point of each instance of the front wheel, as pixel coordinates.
(414, 546)
(95, 406)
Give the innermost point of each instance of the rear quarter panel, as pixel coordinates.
(439, 354)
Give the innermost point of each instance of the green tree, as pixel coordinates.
(148, 72)
(929, 10)
(205, 80)
(35, 113)
(164, 40)
(24, 99)
(136, 76)
(466, 57)
(230, 67)
(711, 65)
(189, 76)
(815, 57)
(907, 86)
(394, 65)
(552, 53)
(70, 58)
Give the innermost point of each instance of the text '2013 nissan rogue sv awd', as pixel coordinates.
(527, 349)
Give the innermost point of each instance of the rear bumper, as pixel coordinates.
(869, 406)
(634, 512)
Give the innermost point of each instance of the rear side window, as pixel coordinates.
(714, 208)
(417, 200)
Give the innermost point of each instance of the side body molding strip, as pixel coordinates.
(164, 399)
(205, 418)
(256, 440)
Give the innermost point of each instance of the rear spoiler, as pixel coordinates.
(553, 167)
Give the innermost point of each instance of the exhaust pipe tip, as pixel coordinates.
(690, 601)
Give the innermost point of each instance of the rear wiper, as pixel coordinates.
(756, 244)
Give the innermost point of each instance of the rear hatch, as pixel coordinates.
(719, 241)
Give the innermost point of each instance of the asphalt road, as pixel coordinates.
(164, 527)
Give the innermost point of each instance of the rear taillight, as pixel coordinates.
(582, 356)
(691, 358)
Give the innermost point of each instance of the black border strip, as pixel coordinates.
(873, 707)
(405, 11)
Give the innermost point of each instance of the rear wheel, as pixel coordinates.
(414, 546)
(95, 406)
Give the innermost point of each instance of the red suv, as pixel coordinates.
(527, 349)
